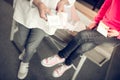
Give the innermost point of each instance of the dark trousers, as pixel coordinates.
(83, 42)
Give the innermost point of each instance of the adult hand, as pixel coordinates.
(43, 10)
(60, 5)
(112, 33)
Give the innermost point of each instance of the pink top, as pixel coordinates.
(109, 14)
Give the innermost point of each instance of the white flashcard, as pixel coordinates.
(103, 29)
(58, 20)
(53, 20)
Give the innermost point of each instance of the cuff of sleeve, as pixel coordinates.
(96, 19)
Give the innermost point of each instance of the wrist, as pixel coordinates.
(65, 1)
(94, 22)
(92, 25)
(37, 2)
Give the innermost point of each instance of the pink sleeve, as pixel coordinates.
(102, 10)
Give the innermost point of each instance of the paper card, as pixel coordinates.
(57, 20)
(63, 18)
(53, 20)
(103, 29)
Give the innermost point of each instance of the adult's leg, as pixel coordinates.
(22, 34)
(35, 37)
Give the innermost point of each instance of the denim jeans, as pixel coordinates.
(83, 42)
(30, 39)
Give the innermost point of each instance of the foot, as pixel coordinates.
(52, 61)
(23, 70)
(60, 70)
(22, 55)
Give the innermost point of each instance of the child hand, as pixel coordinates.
(112, 33)
(91, 25)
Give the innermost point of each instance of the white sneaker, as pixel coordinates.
(22, 55)
(51, 61)
(23, 70)
(60, 70)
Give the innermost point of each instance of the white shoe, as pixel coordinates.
(51, 61)
(22, 55)
(23, 70)
(60, 70)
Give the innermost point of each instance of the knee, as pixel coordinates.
(31, 49)
(83, 34)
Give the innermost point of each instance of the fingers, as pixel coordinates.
(91, 26)
(43, 11)
(49, 12)
(59, 9)
(60, 6)
(43, 14)
(112, 33)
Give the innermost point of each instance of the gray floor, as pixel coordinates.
(9, 57)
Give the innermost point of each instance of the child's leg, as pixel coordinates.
(79, 51)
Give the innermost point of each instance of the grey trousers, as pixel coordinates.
(30, 39)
